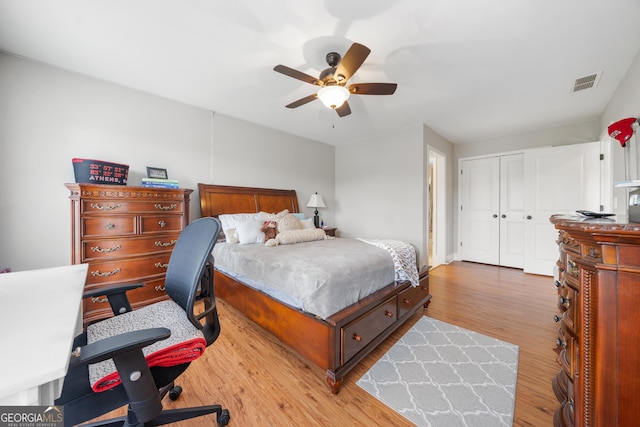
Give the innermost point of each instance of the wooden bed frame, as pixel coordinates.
(337, 343)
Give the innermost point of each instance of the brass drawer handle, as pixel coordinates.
(98, 299)
(110, 226)
(161, 265)
(162, 244)
(162, 224)
(106, 273)
(165, 208)
(406, 300)
(104, 208)
(388, 313)
(356, 337)
(105, 250)
(159, 288)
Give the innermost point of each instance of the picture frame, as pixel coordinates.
(157, 173)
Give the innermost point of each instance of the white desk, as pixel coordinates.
(40, 314)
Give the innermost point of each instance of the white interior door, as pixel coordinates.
(512, 210)
(558, 180)
(479, 210)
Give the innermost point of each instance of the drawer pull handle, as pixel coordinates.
(105, 250)
(388, 313)
(104, 208)
(106, 273)
(110, 226)
(564, 301)
(160, 288)
(558, 284)
(406, 300)
(161, 265)
(356, 337)
(162, 244)
(165, 208)
(98, 299)
(162, 224)
(561, 343)
(557, 318)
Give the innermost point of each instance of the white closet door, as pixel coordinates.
(480, 208)
(558, 180)
(512, 210)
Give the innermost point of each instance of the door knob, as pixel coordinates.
(495, 215)
(529, 217)
(504, 216)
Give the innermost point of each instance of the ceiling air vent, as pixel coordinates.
(586, 82)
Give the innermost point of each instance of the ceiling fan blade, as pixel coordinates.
(344, 109)
(351, 61)
(297, 75)
(373, 88)
(302, 101)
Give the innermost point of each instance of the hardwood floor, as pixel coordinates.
(263, 383)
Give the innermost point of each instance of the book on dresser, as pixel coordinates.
(160, 183)
(126, 234)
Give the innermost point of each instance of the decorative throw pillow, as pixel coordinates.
(273, 216)
(300, 236)
(231, 235)
(250, 232)
(307, 223)
(289, 222)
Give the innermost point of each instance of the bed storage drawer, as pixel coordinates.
(411, 297)
(357, 334)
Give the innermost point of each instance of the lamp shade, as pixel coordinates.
(333, 96)
(315, 201)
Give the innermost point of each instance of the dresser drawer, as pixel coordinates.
(158, 223)
(116, 248)
(124, 225)
(412, 297)
(98, 307)
(117, 271)
(357, 334)
(111, 207)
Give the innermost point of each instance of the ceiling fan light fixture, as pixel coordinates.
(333, 96)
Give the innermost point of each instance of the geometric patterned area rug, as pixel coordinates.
(440, 375)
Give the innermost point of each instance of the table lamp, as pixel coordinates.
(316, 202)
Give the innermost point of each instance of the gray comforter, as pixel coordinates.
(320, 277)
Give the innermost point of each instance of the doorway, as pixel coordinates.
(436, 215)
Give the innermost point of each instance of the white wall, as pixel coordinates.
(381, 186)
(48, 116)
(246, 154)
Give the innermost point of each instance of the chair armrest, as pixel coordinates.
(117, 345)
(116, 295)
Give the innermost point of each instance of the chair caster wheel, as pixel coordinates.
(223, 418)
(175, 392)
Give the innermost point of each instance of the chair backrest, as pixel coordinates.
(190, 273)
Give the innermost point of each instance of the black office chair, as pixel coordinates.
(189, 279)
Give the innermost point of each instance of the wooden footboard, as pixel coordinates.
(340, 342)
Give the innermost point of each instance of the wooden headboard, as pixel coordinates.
(223, 199)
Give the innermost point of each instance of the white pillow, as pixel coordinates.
(232, 220)
(249, 232)
(231, 235)
(273, 216)
(307, 223)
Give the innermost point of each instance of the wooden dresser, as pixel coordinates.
(598, 321)
(126, 234)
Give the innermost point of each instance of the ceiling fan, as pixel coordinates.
(332, 80)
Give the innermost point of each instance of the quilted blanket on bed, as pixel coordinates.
(404, 258)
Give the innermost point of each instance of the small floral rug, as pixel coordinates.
(440, 375)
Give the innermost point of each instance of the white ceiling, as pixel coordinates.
(468, 69)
